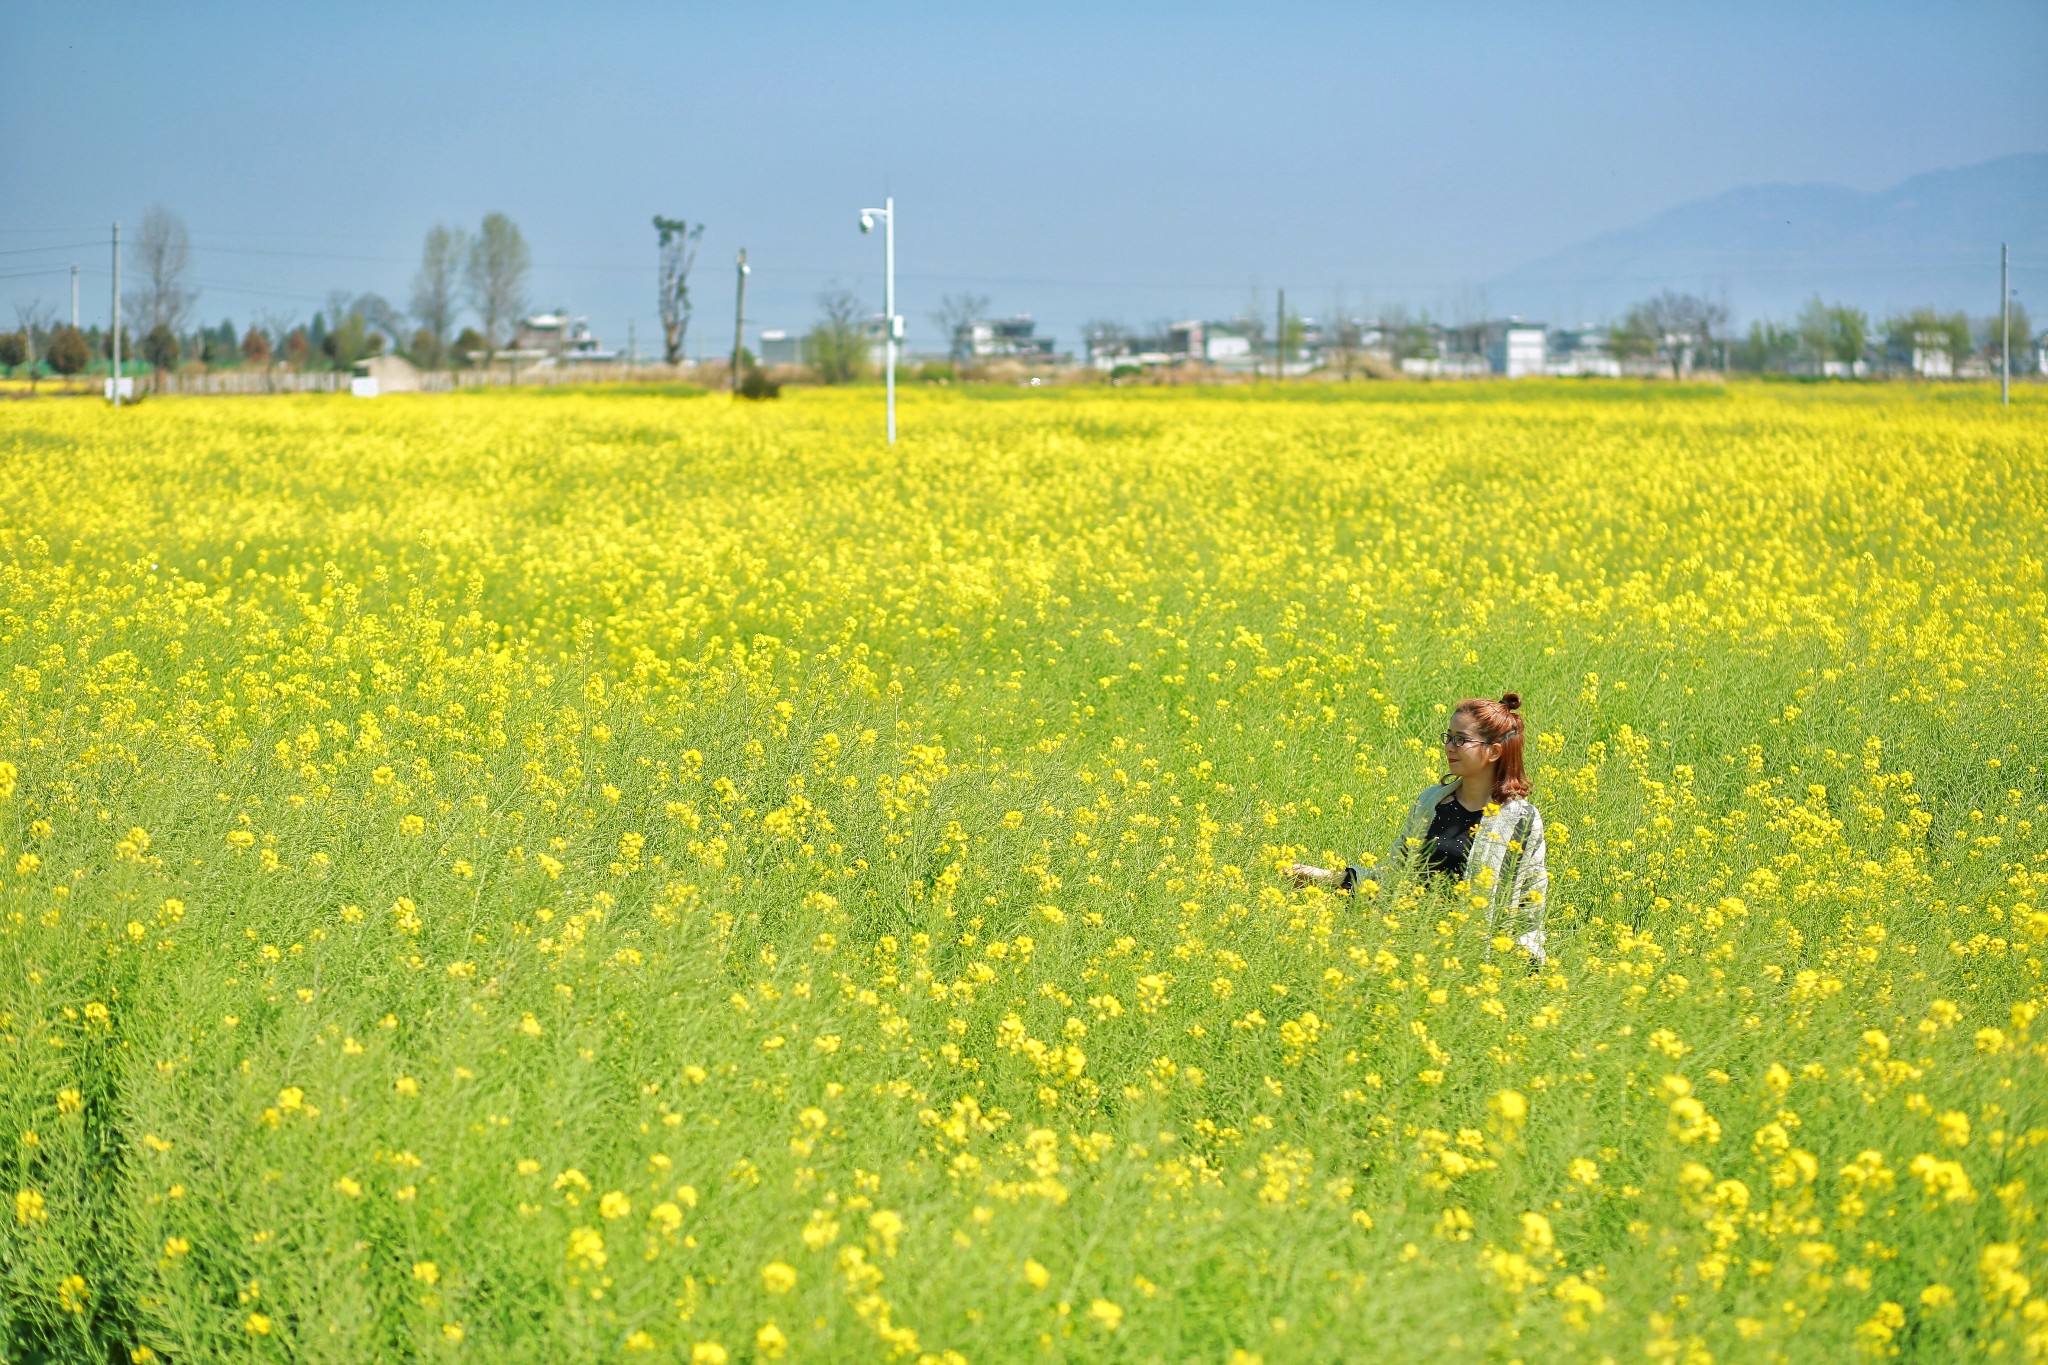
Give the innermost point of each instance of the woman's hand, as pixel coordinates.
(1303, 874)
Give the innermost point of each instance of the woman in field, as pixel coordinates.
(1476, 826)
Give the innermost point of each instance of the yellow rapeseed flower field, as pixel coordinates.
(565, 877)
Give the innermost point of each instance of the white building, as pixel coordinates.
(1572, 352)
(385, 374)
(782, 348)
(1513, 347)
(991, 338)
(559, 339)
(1925, 354)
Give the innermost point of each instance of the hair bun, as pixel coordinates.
(1511, 700)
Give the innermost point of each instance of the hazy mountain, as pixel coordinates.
(1767, 248)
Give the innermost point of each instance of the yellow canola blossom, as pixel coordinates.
(644, 871)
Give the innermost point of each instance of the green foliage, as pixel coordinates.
(255, 348)
(161, 348)
(1635, 337)
(13, 349)
(2022, 328)
(1929, 329)
(351, 340)
(758, 386)
(837, 347)
(1769, 347)
(68, 351)
(1834, 331)
(426, 350)
(469, 348)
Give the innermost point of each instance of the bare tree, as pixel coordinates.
(1105, 336)
(1681, 325)
(1409, 336)
(36, 318)
(433, 288)
(1342, 336)
(678, 242)
(495, 276)
(384, 316)
(954, 318)
(163, 253)
(837, 349)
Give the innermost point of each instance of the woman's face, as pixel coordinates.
(1464, 754)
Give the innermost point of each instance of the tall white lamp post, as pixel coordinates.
(892, 326)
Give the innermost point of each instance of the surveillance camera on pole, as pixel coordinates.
(892, 326)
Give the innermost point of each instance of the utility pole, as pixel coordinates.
(892, 326)
(2004, 325)
(117, 315)
(739, 318)
(1280, 339)
(74, 298)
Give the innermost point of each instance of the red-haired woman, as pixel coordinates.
(1477, 825)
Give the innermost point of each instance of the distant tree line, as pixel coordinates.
(1838, 339)
(484, 271)
(476, 281)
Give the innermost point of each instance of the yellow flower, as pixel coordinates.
(1106, 1313)
(778, 1277)
(426, 1272)
(707, 1353)
(769, 1342)
(29, 1208)
(641, 1340)
(1036, 1275)
(257, 1324)
(586, 1247)
(614, 1204)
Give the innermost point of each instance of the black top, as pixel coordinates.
(1449, 841)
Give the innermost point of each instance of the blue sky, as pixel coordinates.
(1136, 161)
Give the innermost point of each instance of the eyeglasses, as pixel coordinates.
(1453, 740)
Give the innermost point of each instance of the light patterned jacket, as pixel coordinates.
(1506, 865)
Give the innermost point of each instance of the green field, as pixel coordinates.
(572, 877)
